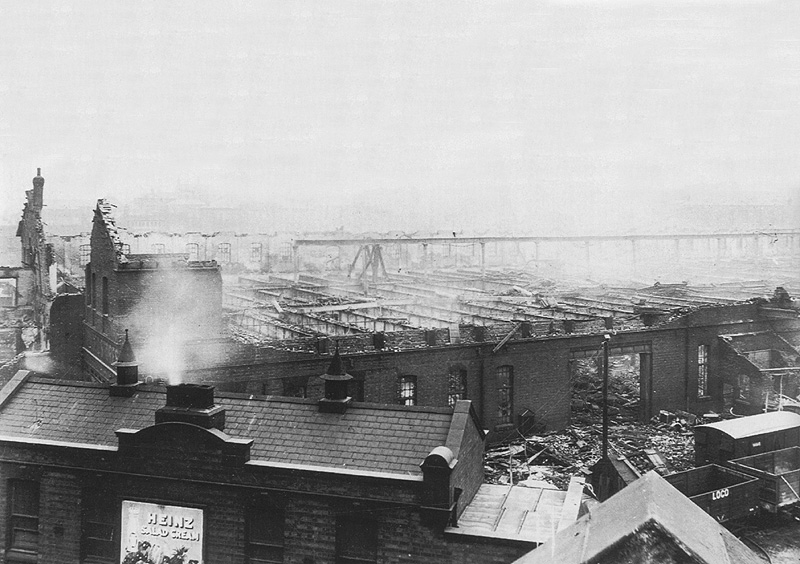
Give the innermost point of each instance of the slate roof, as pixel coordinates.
(368, 437)
(629, 518)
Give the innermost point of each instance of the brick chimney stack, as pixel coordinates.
(192, 403)
(127, 371)
(438, 501)
(37, 201)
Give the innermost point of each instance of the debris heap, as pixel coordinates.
(665, 445)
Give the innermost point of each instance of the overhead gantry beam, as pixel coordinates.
(722, 244)
(545, 239)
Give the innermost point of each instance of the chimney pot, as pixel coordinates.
(336, 399)
(127, 371)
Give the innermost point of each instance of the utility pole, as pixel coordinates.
(606, 339)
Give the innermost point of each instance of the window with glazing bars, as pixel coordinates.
(193, 250)
(255, 252)
(457, 385)
(104, 291)
(99, 532)
(265, 532)
(85, 254)
(407, 390)
(94, 292)
(23, 517)
(505, 394)
(88, 289)
(224, 253)
(702, 370)
(744, 387)
(356, 539)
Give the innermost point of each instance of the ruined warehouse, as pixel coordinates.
(520, 371)
(512, 341)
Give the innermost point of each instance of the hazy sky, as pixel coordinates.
(515, 104)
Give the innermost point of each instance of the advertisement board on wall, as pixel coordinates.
(161, 534)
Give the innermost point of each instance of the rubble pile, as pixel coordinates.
(623, 389)
(666, 444)
(554, 457)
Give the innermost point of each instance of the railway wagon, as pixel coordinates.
(716, 443)
(723, 493)
(778, 474)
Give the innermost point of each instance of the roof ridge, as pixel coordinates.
(38, 379)
(11, 387)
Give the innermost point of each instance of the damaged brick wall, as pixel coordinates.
(66, 328)
(37, 257)
(541, 368)
(162, 300)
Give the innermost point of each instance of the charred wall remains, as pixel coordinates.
(165, 301)
(508, 349)
(503, 338)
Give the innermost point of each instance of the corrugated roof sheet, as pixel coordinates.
(366, 437)
(755, 424)
(528, 514)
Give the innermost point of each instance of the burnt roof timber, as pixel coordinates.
(315, 323)
(384, 291)
(670, 301)
(706, 298)
(613, 306)
(374, 304)
(542, 313)
(463, 309)
(574, 305)
(266, 321)
(420, 317)
(418, 289)
(362, 320)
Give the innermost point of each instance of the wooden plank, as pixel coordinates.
(544, 522)
(572, 502)
(516, 505)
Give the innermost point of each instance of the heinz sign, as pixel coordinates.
(154, 534)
